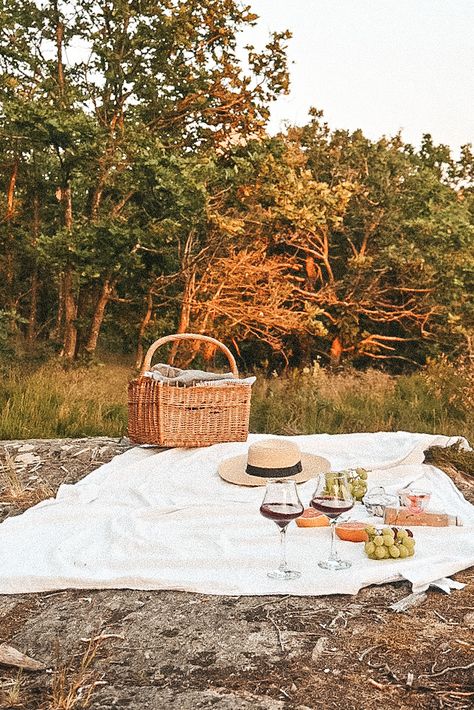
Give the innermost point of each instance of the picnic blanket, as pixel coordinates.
(166, 520)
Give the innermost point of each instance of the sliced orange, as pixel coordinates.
(312, 519)
(352, 531)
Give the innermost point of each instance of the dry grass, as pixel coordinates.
(12, 693)
(438, 399)
(52, 402)
(13, 491)
(74, 687)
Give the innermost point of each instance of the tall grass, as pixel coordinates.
(439, 399)
(53, 402)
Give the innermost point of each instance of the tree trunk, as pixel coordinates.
(65, 195)
(98, 317)
(185, 314)
(208, 352)
(56, 332)
(188, 292)
(336, 352)
(9, 214)
(143, 326)
(70, 303)
(31, 328)
(84, 299)
(70, 313)
(59, 51)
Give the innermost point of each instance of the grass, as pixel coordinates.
(54, 402)
(13, 490)
(438, 399)
(74, 688)
(11, 693)
(71, 686)
(51, 402)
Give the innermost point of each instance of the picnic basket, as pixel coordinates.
(169, 415)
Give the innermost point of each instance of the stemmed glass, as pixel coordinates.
(281, 504)
(332, 497)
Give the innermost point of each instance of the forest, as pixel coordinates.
(140, 194)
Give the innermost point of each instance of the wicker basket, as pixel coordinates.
(170, 415)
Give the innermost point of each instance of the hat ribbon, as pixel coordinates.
(274, 472)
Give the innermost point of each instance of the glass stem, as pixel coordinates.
(283, 563)
(332, 554)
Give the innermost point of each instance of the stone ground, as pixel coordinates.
(139, 650)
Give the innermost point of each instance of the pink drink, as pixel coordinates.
(417, 502)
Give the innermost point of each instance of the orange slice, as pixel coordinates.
(352, 531)
(312, 519)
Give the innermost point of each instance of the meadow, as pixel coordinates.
(49, 401)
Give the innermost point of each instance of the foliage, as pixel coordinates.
(140, 194)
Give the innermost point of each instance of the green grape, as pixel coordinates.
(409, 544)
(388, 531)
(369, 548)
(379, 553)
(403, 551)
(362, 473)
(401, 534)
(370, 530)
(411, 551)
(394, 551)
(388, 541)
(378, 540)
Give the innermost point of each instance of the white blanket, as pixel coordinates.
(165, 520)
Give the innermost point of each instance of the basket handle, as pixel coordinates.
(187, 336)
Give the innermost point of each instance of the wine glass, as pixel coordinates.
(281, 504)
(332, 497)
(417, 499)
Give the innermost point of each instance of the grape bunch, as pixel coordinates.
(389, 543)
(357, 481)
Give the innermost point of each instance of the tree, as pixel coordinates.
(161, 79)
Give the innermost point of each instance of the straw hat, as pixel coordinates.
(272, 458)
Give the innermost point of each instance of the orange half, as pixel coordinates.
(312, 519)
(352, 531)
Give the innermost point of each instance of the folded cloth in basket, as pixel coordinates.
(187, 378)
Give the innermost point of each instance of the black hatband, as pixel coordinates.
(274, 472)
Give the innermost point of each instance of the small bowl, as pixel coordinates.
(415, 499)
(376, 500)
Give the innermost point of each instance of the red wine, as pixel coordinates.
(332, 507)
(281, 513)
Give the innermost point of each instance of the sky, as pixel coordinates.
(379, 65)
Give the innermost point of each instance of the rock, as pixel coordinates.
(319, 648)
(83, 454)
(27, 447)
(469, 620)
(27, 459)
